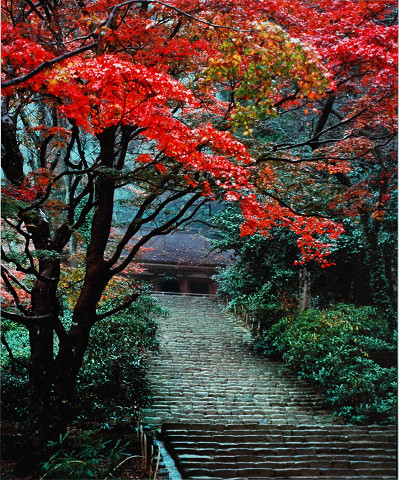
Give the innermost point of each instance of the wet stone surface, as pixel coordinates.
(227, 412)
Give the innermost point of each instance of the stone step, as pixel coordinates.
(293, 446)
(304, 477)
(270, 451)
(337, 459)
(313, 473)
(240, 453)
(291, 437)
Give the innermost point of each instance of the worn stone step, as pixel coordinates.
(302, 477)
(352, 440)
(314, 473)
(284, 473)
(330, 430)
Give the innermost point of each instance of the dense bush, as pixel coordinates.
(111, 388)
(112, 380)
(86, 455)
(265, 279)
(14, 381)
(347, 353)
(262, 280)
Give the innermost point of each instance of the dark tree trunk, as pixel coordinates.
(53, 381)
(71, 353)
(12, 161)
(41, 368)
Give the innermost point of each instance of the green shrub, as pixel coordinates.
(86, 455)
(14, 377)
(347, 353)
(112, 380)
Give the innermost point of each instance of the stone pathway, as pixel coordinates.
(226, 412)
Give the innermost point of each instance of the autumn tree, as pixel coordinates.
(148, 102)
(336, 156)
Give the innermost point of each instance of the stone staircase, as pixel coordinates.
(225, 412)
(256, 451)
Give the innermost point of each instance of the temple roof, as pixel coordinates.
(185, 248)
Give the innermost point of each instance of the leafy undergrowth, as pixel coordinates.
(111, 390)
(347, 354)
(100, 453)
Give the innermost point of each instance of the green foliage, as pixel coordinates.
(10, 206)
(347, 353)
(113, 375)
(267, 298)
(85, 456)
(112, 380)
(263, 280)
(50, 254)
(14, 381)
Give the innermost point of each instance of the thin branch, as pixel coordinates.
(13, 292)
(47, 64)
(182, 12)
(293, 96)
(71, 285)
(19, 266)
(18, 228)
(138, 221)
(292, 209)
(86, 209)
(34, 9)
(28, 270)
(28, 321)
(9, 351)
(15, 279)
(50, 186)
(266, 157)
(167, 227)
(126, 303)
(314, 139)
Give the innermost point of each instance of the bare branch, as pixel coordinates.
(314, 140)
(13, 292)
(86, 209)
(292, 209)
(167, 227)
(182, 12)
(29, 270)
(138, 221)
(126, 303)
(18, 228)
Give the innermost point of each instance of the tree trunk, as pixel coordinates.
(304, 290)
(12, 160)
(41, 373)
(71, 353)
(53, 381)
